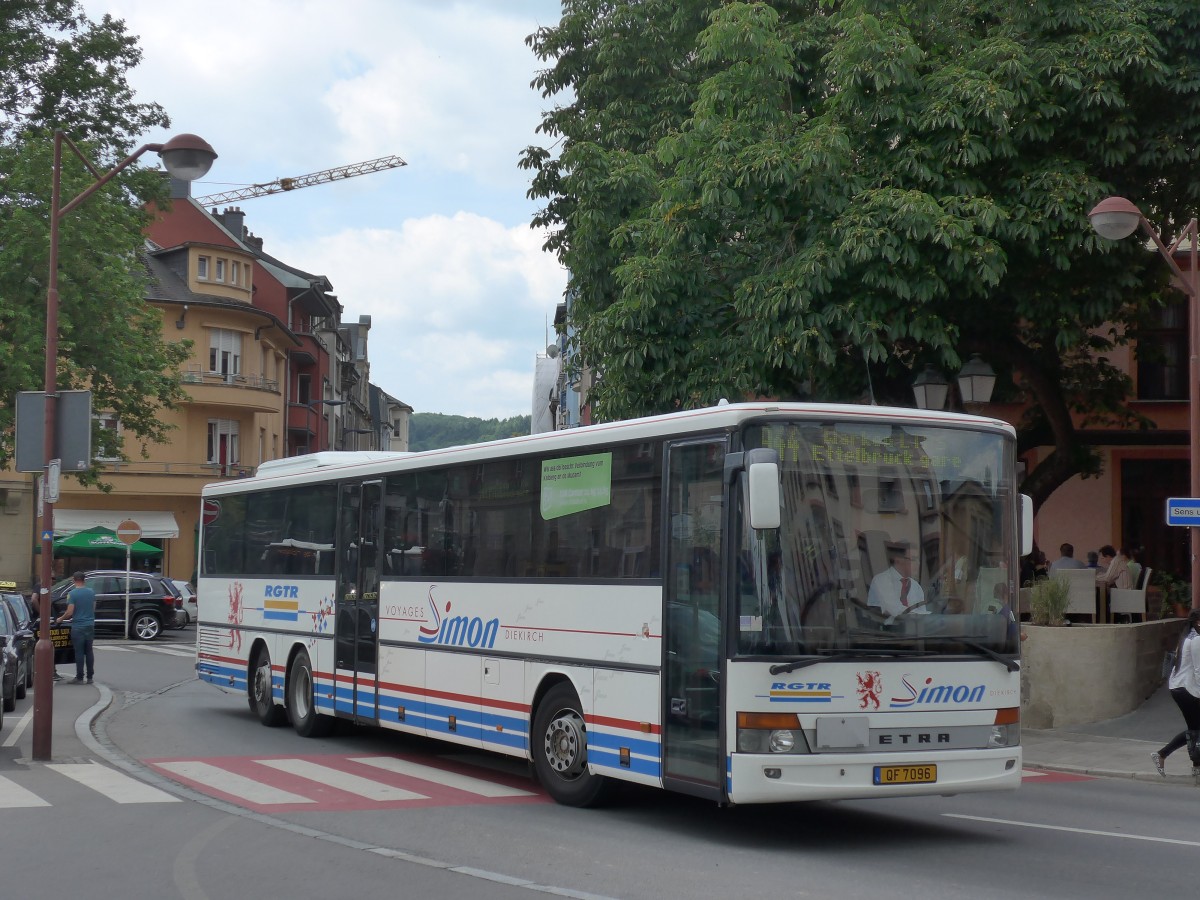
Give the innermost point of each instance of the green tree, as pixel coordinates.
(810, 199)
(59, 70)
(432, 431)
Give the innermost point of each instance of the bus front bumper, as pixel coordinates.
(783, 778)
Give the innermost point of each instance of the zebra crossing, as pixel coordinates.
(327, 783)
(101, 779)
(165, 648)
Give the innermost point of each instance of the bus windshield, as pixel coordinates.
(894, 540)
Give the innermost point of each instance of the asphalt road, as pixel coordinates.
(251, 811)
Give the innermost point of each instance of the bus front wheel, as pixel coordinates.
(560, 750)
(259, 691)
(301, 700)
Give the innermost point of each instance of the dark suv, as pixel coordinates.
(154, 603)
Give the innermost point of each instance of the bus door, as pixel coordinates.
(692, 631)
(357, 629)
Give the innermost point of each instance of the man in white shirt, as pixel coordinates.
(894, 591)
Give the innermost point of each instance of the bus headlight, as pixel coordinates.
(782, 741)
(770, 733)
(1006, 731)
(1005, 736)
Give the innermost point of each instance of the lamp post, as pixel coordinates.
(1116, 218)
(346, 431)
(931, 389)
(187, 157)
(975, 383)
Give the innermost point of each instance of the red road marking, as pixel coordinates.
(330, 799)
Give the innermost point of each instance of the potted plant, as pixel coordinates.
(1176, 595)
(1049, 601)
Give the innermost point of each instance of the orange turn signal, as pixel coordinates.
(1010, 715)
(768, 721)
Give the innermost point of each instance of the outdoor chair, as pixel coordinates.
(1081, 591)
(1130, 601)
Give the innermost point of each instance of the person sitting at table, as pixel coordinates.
(1093, 559)
(1135, 567)
(1114, 568)
(1066, 559)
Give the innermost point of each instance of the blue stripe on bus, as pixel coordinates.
(508, 723)
(222, 676)
(608, 760)
(468, 716)
(606, 741)
(282, 615)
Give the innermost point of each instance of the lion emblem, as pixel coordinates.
(870, 686)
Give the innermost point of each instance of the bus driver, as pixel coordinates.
(894, 591)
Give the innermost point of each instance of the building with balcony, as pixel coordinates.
(273, 373)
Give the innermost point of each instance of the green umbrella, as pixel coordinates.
(101, 541)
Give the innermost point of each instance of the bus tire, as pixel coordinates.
(559, 742)
(301, 700)
(259, 691)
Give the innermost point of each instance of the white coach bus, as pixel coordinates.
(753, 603)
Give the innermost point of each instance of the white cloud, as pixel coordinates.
(438, 253)
(459, 306)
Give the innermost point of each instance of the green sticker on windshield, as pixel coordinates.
(576, 483)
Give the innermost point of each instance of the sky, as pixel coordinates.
(439, 253)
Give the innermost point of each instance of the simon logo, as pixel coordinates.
(457, 631)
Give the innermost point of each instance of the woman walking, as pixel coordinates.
(1185, 691)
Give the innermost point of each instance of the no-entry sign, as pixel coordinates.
(129, 532)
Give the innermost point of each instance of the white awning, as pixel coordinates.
(154, 523)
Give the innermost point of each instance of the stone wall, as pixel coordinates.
(1077, 674)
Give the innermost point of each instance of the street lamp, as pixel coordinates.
(1116, 218)
(346, 431)
(186, 157)
(975, 383)
(931, 389)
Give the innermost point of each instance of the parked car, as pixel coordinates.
(15, 658)
(190, 608)
(154, 603)
(26, 636)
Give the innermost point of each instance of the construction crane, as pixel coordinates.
(290, 184)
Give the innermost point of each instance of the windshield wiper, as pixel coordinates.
(1011, 664)
(783, 668)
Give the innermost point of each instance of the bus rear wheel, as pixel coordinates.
(301, 700)
(259, 691)
(560, 751)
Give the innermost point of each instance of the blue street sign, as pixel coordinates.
(47, 535)
(1183, 511)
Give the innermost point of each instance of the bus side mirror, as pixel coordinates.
(762, 488)
(1026, 524)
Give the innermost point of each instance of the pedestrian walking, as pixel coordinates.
(81, 611)
(1184, 684)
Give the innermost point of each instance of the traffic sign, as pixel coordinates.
(1183, 511)
(209, 511)
(129, 532)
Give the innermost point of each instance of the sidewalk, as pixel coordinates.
(70, 733)
(1118, 747)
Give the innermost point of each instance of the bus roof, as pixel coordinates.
(309, 462)
(329, 465)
